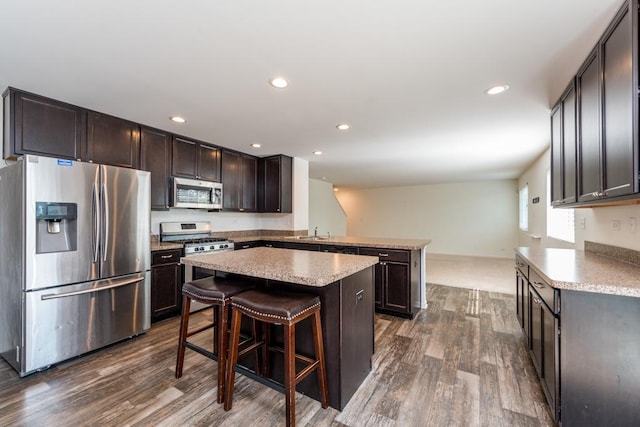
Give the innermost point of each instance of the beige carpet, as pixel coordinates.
(485, 274)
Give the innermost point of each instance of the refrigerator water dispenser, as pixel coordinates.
(56, 227)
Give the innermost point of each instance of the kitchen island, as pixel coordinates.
(345, 285)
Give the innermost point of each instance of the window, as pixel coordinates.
(524, 208)
(560, 222)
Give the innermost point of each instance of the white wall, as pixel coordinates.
(536, 177)
(324, 210)
(465, 218)
(598, 225)
(300, 196)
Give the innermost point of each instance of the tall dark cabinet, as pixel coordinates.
(112, 140)
(275, 191)
(155, 157)
(563, 149)
(240, 181)
(37, 125)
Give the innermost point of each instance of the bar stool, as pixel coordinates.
(287, 309)
(216, 291)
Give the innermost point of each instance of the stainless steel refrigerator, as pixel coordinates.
(75, 260)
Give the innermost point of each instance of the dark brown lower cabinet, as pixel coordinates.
(166, 283)
(396, 281)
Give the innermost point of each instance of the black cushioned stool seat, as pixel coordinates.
(216, 291)
(286, 309)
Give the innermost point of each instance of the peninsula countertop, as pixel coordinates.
(583, 271)
(371, 242)
(285, 265)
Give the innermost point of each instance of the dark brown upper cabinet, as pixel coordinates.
(37, 125)
(240, 181)
(195, 159)
(589, 140)
(618, 50)
(112, 141)
(563, 149)
(606, 118)
(155, 157)
(275, 190)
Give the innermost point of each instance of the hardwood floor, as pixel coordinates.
(460, 362)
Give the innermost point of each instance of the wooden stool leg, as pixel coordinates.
(222, 347)
(234, 342)
(256, 338)
(319, 347)
(184, 326)
(266, 367)
(290, 373)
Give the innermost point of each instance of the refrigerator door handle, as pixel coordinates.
(95, 219)
(105, 220)
(88, 291)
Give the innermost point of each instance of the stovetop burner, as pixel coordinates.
(190, 241)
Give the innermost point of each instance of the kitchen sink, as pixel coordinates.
(313, 238)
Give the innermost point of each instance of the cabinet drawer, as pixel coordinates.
(548, 294)
(522, 265)
(168, 256)
(387, 254)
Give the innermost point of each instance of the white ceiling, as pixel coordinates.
(408, 75)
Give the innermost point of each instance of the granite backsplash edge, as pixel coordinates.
(629, 256)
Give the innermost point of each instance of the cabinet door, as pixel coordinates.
(620, 97)
(569, 146)
(275, 184)
(247, 245)
(589, 170)
(208, 162)
(155, 151)
(231, 183)
(112, 141)
(249, 184)
(556, 155)
(536, 330)
(396, 292)
(183, 158)
(550, 361)
(43, 126)
(165, 290)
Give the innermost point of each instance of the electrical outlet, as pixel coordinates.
(582, 223)
(633, 224)
(615, 224)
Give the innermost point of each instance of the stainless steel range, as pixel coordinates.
(197, 239)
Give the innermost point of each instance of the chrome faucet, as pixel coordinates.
(315, 232)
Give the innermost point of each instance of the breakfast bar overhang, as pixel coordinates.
(345, 285)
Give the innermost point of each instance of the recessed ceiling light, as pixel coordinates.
(279, 82)
(343, 126)
(496, 89)
(256, 145)
(177, 119)
(317, 153)
(335, 189)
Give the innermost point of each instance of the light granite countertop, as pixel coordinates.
(160, 246)
(371, 242)
(285, 265)
(583, 271)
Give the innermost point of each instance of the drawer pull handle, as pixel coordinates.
(383, 255)
(166, 256)
(538, 285)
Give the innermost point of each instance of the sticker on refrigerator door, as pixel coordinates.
(63, 162)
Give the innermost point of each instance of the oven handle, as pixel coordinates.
(87, 291)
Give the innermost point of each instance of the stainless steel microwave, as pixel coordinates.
(196, 194)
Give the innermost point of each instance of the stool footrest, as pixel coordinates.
(201, 350)
(299, 357)
(200, 329)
